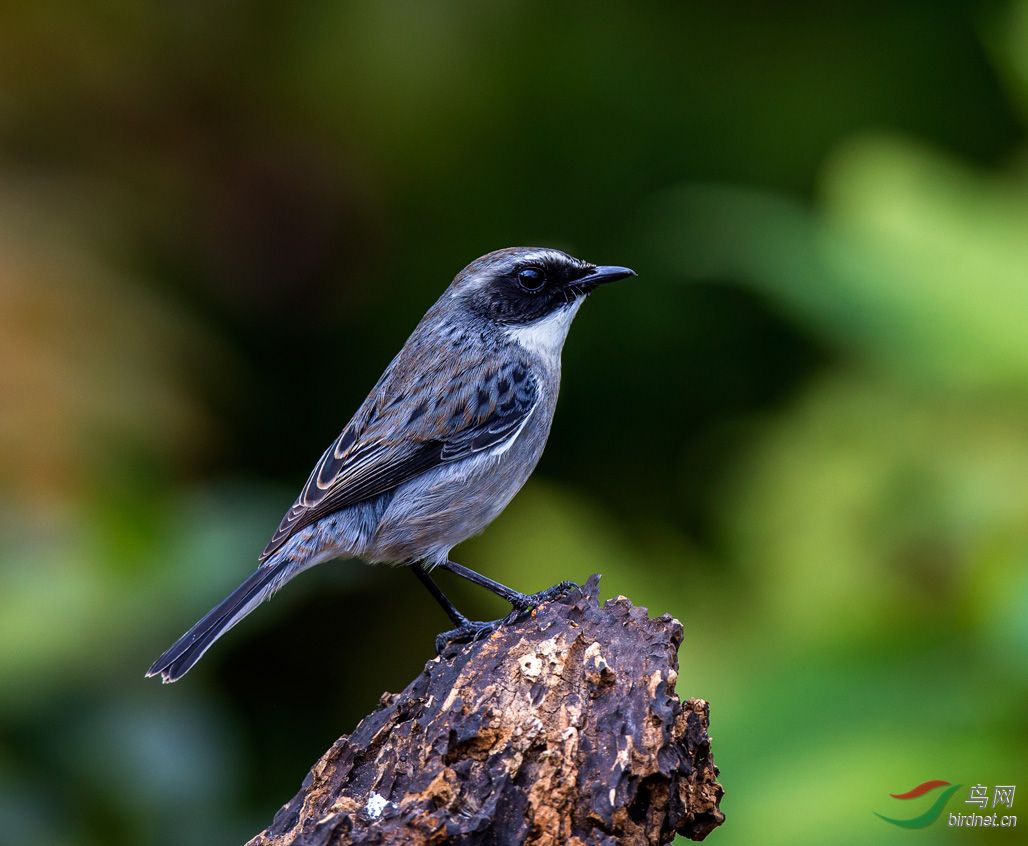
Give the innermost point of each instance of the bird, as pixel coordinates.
(447, 436)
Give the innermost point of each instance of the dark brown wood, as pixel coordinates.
(560, 728)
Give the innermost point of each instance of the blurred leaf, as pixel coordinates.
(72, 613)
(1007, 36)
(92, 367)
(916, 264)
(864, 500)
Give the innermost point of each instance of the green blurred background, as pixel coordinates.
(803, 430)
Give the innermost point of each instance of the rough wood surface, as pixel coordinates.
(559, 728)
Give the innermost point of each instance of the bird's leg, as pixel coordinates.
(451, 610)
(520, 601)
(465, 629)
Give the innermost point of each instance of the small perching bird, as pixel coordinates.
(450, 433)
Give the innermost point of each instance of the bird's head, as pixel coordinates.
(519, 286)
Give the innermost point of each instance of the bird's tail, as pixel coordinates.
(188, 649)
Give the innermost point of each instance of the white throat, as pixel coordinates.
(545, 337)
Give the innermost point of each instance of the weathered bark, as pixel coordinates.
(560, 728)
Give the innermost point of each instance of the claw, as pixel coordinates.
(467, 632)
(471, 630)
(533, 599)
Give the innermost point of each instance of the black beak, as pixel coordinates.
(603, 274)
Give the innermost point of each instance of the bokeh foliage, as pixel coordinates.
(803, 430)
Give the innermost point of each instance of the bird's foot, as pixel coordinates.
(471, 630)
(467, 632)
(531, 600)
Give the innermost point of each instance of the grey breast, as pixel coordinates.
(429, 515)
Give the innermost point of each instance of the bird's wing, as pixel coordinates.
(402, 431)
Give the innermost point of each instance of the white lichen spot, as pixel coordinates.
(533, 727)
(597, 670)
(531, 666)
(375, 805)
(451, 697)
(612, 795)
(592, 654)
(624, 756)
(654, 683)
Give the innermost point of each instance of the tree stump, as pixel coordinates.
(562, 727)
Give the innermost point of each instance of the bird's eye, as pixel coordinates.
(531, 278)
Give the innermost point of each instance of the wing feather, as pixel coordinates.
(397, 435)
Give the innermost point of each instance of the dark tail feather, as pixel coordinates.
(189, 648)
